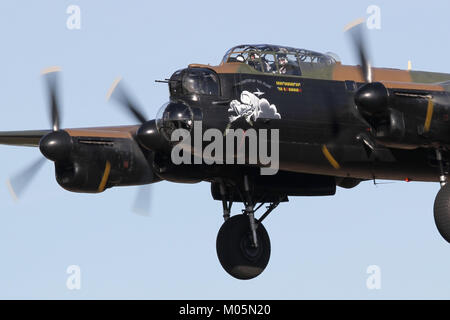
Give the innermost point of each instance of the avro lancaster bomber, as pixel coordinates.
(326, 124)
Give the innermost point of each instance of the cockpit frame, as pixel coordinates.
(254, 55)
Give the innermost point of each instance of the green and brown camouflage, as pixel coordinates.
(331, 69)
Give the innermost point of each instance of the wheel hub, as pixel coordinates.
(248, 248)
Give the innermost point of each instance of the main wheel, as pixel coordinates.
(236, 251)
(442, 212)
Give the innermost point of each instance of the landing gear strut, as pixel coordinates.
(243, 244)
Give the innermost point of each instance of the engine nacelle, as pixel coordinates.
(97, 164)
(404, 118)
(374, 103)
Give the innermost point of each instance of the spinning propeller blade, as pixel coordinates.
(142, 202)
(51, 79)
(118, 93)
(19, 182)
(356, 30)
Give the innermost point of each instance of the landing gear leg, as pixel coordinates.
(442, 177)
(225, 204)
(249, 206)
(243, 245)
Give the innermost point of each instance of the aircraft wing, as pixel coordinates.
(31, 138)
(27, 138)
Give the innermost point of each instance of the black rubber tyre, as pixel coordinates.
(235, 248)
(442, 212)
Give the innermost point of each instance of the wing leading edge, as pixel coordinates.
(27, 138)
(31, 138)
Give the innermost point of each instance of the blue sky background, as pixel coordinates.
(321, 247)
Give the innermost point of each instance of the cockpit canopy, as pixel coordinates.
(276, 59)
